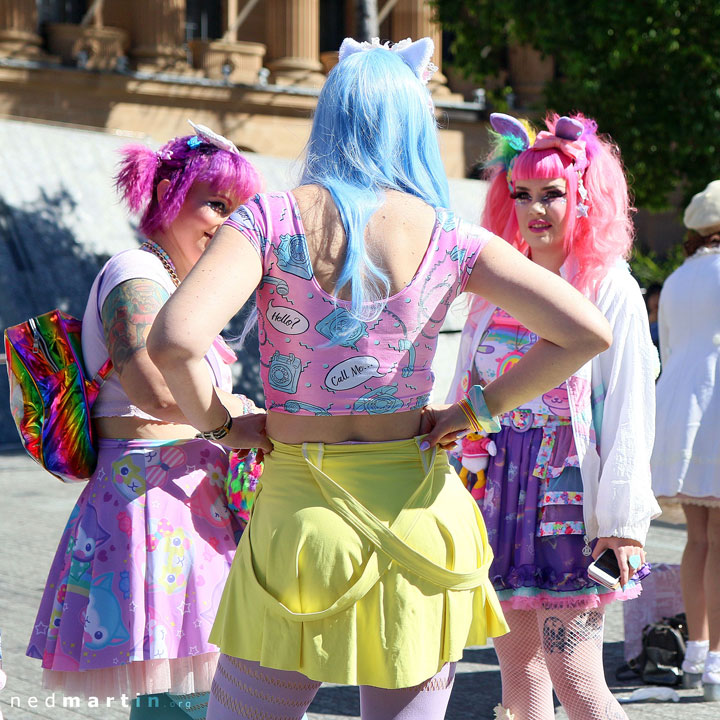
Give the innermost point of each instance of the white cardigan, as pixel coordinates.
(612, 403)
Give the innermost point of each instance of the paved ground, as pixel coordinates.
(33, 511)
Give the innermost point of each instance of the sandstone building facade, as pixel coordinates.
(249, 68)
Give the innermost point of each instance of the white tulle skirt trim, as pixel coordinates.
(179, 676)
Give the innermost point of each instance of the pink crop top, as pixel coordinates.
(317, 359)
(129, 265)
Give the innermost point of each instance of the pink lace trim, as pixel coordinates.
(180, 676)
(588, 601)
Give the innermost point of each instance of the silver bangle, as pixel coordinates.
(218, 433)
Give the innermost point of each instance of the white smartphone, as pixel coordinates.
(605, 570)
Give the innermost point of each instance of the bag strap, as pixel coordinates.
(103, 373)
(107, 367)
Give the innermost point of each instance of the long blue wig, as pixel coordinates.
(373, 130)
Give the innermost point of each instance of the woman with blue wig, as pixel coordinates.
(366, 561)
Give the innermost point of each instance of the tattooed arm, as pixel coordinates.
(127, 315)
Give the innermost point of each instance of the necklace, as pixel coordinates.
(152, 247)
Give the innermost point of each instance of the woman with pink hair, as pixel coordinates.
(570, 478)
(137, 577)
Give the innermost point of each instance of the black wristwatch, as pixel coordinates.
(218, 433)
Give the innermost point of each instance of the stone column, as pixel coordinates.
(415, 19)
(529, 73)
(293, 42)
(18, 29)
(158, 35)
(230, 11)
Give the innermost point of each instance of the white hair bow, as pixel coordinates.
(209, 136)
(416, 55)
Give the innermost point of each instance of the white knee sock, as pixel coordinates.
(695, 653)
(712, 668)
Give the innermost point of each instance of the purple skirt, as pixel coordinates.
(137, 577)
(534, 516)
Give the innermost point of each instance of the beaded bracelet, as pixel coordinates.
(218, 433)
(480, 411)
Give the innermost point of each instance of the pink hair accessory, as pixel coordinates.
(415, 54)
(574, 149)
(566, 139)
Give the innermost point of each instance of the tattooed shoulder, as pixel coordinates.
(128, 314)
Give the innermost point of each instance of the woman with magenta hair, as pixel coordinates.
(137, 577)
(365, 560)
(570, 475)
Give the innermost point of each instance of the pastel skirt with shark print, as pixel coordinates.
(137, 578)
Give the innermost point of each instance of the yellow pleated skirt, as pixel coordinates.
(363, 564)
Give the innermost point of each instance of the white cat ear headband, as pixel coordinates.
(415, 54)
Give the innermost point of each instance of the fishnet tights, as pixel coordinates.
(560, 649)
(245, 689)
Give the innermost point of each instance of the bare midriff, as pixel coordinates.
(293, 429)
(135, 428)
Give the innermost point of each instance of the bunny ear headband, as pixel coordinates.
(416, 55)
(514, 137)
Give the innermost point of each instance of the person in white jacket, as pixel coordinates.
(686, 457)
(571, 477)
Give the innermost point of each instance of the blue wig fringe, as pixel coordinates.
(373, 130)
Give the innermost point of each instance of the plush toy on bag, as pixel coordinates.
(243, 475)
(474, 451)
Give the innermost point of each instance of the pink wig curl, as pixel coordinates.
(597, 241)
(141, 169)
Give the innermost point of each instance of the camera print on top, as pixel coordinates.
(317, 359)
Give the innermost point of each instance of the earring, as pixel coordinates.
(583, 206)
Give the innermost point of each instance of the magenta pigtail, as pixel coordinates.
(182, 162)
(135, 180)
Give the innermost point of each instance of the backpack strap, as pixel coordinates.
(102, 374)
(107, 367)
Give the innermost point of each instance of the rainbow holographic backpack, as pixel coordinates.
(50, 394)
